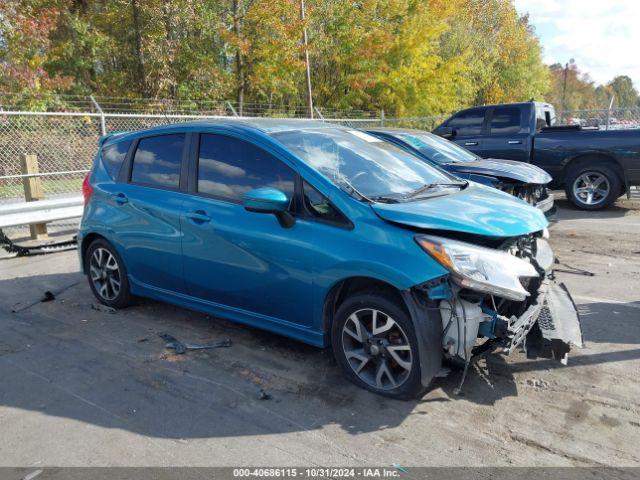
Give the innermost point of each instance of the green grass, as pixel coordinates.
(51, 186)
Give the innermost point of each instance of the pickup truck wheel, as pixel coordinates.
(374, 342)
(592, 186)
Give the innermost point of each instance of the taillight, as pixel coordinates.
(87, 189)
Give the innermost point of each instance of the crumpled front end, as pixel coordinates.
(536, 195)
(501, 302)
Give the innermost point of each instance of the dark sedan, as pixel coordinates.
(523, 180)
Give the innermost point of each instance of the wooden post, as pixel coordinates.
(33, 191)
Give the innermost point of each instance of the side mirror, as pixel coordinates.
(446, 132)
(269, 200)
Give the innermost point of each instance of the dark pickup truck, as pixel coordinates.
(594, 166)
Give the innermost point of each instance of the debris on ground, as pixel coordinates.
(264, 395)
(537, 383)
(48, 296)
(103, 308)
(181, 347)
(573, 270)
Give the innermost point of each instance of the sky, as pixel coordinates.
(602, 36)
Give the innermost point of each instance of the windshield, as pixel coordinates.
(373, 167)
(437, 149)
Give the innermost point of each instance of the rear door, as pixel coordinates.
(244, 261)
(469, 127)
(148, 202)
(509, 135)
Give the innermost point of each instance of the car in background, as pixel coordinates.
(327, 235)
(525, 181)
(594, 166)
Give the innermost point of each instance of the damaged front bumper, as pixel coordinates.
(549, 326)
(471, 323)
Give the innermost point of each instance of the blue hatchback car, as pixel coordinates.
(327, 235)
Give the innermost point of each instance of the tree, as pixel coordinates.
(502, 52)
(24, 49)
(626, 96)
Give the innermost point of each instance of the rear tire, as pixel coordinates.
(375, 344)
(592, 186)
(107, 274)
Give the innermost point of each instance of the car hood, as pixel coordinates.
(477, 210)
(523, 172)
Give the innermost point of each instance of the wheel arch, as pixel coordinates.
(352, 285)
(87, 240)
(594, 157)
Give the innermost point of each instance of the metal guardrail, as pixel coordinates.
(41, 211)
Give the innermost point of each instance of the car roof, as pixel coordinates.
(513, 104)
(392, 130)
(268, 125)
(264, 125)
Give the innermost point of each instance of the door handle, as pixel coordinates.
(470, 144)
(514, 142)
(199, 216)
(120, 198)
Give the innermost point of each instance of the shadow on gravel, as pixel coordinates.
(66, 359)
(568, 212)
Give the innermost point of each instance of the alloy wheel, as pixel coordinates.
(105, 273)
(591, 188)
(377, 349)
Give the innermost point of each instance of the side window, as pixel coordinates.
(113, 156)
(505, 120)
(229, 167)
(316, 205)
(468, 122)
(157, 161)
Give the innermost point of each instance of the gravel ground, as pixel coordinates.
(84, 387)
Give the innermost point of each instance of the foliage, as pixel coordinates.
(408, 57)
(574, 90)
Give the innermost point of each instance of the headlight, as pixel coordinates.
(478, 268)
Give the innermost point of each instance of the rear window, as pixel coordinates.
(468, 122)
(157, 161)
(113, 156)
(505, 120)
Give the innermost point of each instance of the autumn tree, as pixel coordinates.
(501, 50)
(408, 57)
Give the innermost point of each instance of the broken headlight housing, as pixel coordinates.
(480, 269)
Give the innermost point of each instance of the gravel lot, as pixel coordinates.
(83, 387)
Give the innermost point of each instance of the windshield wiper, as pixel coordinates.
(385, 199)
(429, 186)
(347, 186)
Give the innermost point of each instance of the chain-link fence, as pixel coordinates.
(65, 142)
(613, 119)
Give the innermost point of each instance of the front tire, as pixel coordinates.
(592, 186)
(107, 274)
(375, 344)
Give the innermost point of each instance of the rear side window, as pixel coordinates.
(158, 160)
(229, 167)
(505, 120)
(113, 156)
(468, 122)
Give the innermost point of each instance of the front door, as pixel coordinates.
(238, 259)
(468, 126)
